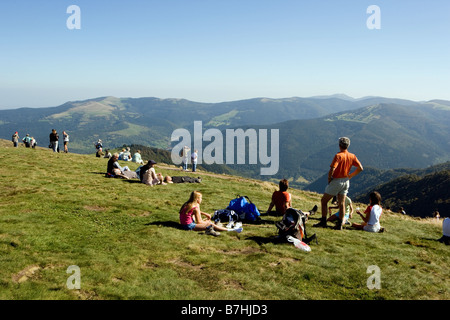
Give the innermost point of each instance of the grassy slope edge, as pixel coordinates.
(58, 210)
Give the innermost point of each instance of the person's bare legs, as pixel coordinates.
(205, 224)
(324, 203)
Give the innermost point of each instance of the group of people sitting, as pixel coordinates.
(145, 173)
(125, 155)
(281, 200)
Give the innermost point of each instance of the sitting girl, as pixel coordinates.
(190, 217)
(373, 213)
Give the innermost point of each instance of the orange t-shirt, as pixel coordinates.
(279, 199)
(342, 162)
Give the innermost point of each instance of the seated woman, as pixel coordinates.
(137, 157)
(191, 217)
(280, 199)
(99, 153)
(371, 221)
(114, 168)
(147, 174)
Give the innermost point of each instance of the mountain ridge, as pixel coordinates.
(401, 134)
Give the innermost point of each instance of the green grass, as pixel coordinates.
(57, 210)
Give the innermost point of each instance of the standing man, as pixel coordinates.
(194, 157)
(27, 141)
(15, 139)
(339, 181)
(54, 137)
(66, 142)
(185, 157)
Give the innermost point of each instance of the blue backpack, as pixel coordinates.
(245, 209)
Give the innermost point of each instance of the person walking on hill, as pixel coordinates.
(191, 217)
(54, 137)
(339, 181)
(15, 139)
(66, 142)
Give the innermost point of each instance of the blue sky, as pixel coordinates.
(214, 51)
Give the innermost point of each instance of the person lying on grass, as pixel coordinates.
(191, 217)
(373, 213)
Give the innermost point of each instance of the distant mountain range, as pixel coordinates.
(385, 133)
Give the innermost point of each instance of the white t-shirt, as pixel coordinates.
(194, 157)
(375, 214)
(446, 227)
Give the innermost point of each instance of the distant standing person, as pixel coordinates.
(15, 139)
(66, 142)
(339, 181)
(185, 157)
(27, 141)
(194, 157)
(98, 144)
(54, 137)
(436, 215)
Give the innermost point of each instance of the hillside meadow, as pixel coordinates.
(58, 210)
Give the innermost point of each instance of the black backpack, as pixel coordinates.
(293, 224)
(225, 215)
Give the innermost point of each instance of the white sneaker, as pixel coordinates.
(238, 225)
(230, 225)
(238, 230)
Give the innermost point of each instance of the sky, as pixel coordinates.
(215, 51)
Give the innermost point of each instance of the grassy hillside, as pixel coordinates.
(59, 210)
